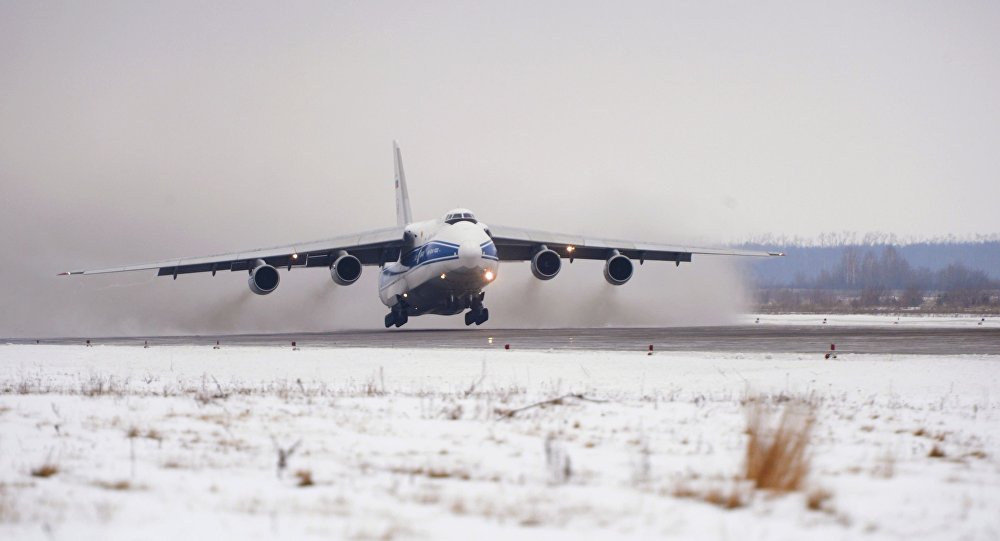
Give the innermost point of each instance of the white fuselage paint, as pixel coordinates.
(441, 268)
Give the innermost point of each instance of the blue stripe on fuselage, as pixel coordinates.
(489, 250)
(431, 252)
(386, 271)
(434, 251)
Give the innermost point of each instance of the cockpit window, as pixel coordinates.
(454, 217)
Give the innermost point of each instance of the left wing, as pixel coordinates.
(518, 244)
(371, 247)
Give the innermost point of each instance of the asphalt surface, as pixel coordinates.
(745, 338)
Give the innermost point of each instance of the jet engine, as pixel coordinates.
(346, 269)
(545, 264)
(617, 269)
(263, 278)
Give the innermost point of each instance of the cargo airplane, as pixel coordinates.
(439, 266)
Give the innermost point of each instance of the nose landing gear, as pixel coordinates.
(398, 316)
(395, 318)
(477, 313)
(477, 317)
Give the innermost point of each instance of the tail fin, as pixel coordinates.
(403, 214)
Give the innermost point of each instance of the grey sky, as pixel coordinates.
(137, 131)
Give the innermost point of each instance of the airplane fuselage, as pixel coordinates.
(442, 269)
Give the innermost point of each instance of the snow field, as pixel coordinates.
(181, 441)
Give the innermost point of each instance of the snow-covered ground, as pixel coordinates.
(183, 442)
(903, 320)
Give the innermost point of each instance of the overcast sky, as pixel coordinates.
(137, 131)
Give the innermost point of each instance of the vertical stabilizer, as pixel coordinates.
(403, 214)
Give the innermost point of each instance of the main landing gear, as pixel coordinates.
(477, 313)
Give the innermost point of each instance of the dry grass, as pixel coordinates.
(777, 459)
(115, 485)
(936, 452)
(735, 497)
(99, 385)
(726, 499)
(45, 470)
(433, 473)
(453, 412)
(27, 385)
(305, 478)
(682, 490)
(977, 454)
(818, 499)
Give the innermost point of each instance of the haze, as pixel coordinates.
(132, 132)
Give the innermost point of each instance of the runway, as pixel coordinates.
(813, 339)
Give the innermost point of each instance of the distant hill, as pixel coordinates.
(804, 263)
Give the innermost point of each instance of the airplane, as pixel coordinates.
(438, 266)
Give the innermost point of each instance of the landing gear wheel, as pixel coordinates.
(397, 318)
(477, 316)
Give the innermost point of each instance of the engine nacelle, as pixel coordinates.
(346, 269)
(618, 269)
(264, 279)
(545, 264)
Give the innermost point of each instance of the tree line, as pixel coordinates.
(886, 278)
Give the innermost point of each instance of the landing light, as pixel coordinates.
(570, 249)
(488, 275)
(295, 256)
(443, 276)
(405, 295)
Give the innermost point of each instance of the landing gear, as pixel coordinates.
(478, 317)
(477, 313)
(398, 316)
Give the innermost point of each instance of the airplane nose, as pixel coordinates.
(469, 253)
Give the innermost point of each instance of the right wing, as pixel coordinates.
(371, 247)
(519, 244)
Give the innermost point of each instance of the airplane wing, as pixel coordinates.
(518, 244)
(371, 247)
